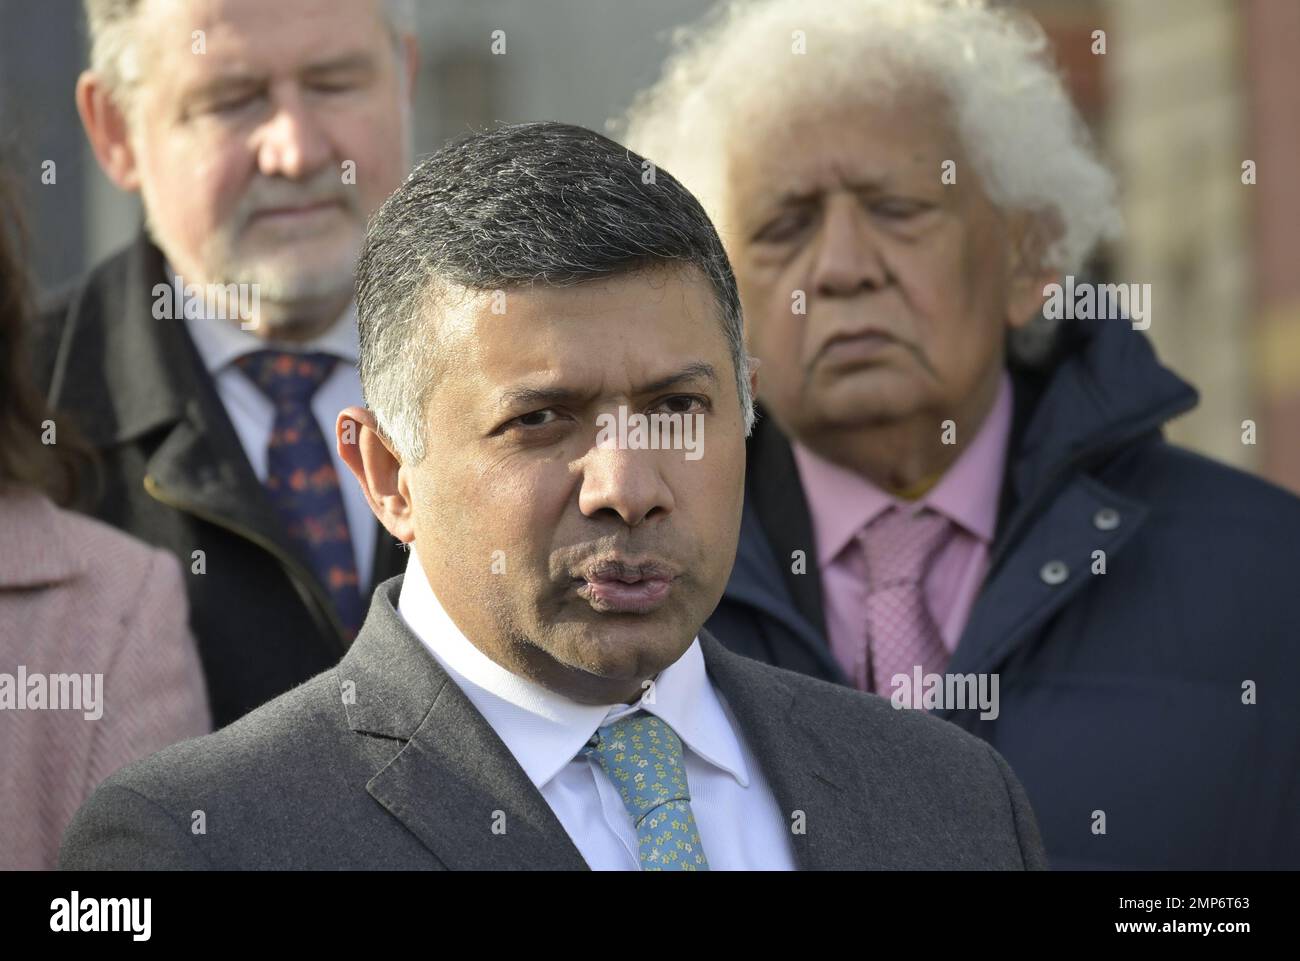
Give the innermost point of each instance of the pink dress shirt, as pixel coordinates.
(841, 503)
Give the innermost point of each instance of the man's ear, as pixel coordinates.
(1026, 277)
(108, 130)
(378, 469)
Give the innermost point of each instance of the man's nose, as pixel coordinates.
(846, 259)
(291, 143)
(626, 483)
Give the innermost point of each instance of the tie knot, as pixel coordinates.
(287, 377)
(899, 546)
(642, 756)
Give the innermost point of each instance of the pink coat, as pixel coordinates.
(78, 597)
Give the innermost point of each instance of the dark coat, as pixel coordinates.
(384, 762)
(174, 475)
(1120, 692)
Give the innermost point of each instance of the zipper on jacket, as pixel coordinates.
(319, 605)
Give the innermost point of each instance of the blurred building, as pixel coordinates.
(1188, 95)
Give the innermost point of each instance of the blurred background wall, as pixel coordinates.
(1186, 92)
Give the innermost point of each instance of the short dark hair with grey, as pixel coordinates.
(518, 205)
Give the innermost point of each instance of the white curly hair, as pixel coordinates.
(1015, 119)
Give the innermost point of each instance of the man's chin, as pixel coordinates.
(305, 268)
(291, 285)
(627, 647)
(866, 399)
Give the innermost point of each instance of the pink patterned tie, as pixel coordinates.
(899, 547)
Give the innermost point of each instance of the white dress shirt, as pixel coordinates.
(221, 342)
(740, 824)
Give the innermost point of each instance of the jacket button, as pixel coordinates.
(1054, 572)
(1106, 519)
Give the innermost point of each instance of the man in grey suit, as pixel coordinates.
(558, 397)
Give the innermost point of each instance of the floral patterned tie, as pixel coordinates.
(642, 757)
(301, 480)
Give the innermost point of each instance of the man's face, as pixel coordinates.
(586, 567)
(906, 278)
(261, 158)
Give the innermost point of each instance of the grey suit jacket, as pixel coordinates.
(384, 763)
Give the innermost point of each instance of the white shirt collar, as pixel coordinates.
(220, 342)
(545, 730)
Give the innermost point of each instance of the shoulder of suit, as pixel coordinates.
(833, 707)
(90, 295)
(284, 743)
(109, 273)
(1187, 479)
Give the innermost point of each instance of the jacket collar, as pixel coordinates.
(122, 370)
(1101, 387)
(39, 549)
(392, 687)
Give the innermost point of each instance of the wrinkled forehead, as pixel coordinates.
(844, 139)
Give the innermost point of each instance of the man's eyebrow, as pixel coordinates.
(697, 370)
(231, 80)
(530, 396)
(239, 77)
(796, 197)
(342, 63)
(799, 196)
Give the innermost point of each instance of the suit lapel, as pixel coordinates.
(453, 784)
(458, 789)
(1020, 596)
(830, 824)
(123, 372)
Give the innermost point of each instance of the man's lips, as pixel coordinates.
(856, 347)
(294, 212)
(615, 587)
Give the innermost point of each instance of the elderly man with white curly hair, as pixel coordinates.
(938, 515)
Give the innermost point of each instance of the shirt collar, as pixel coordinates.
(841, 502)
(545, 730)
(40, 549)
(220, 342)
(969, 491)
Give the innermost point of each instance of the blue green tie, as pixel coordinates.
(642, 757)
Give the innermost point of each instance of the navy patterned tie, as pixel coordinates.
(300, 479)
